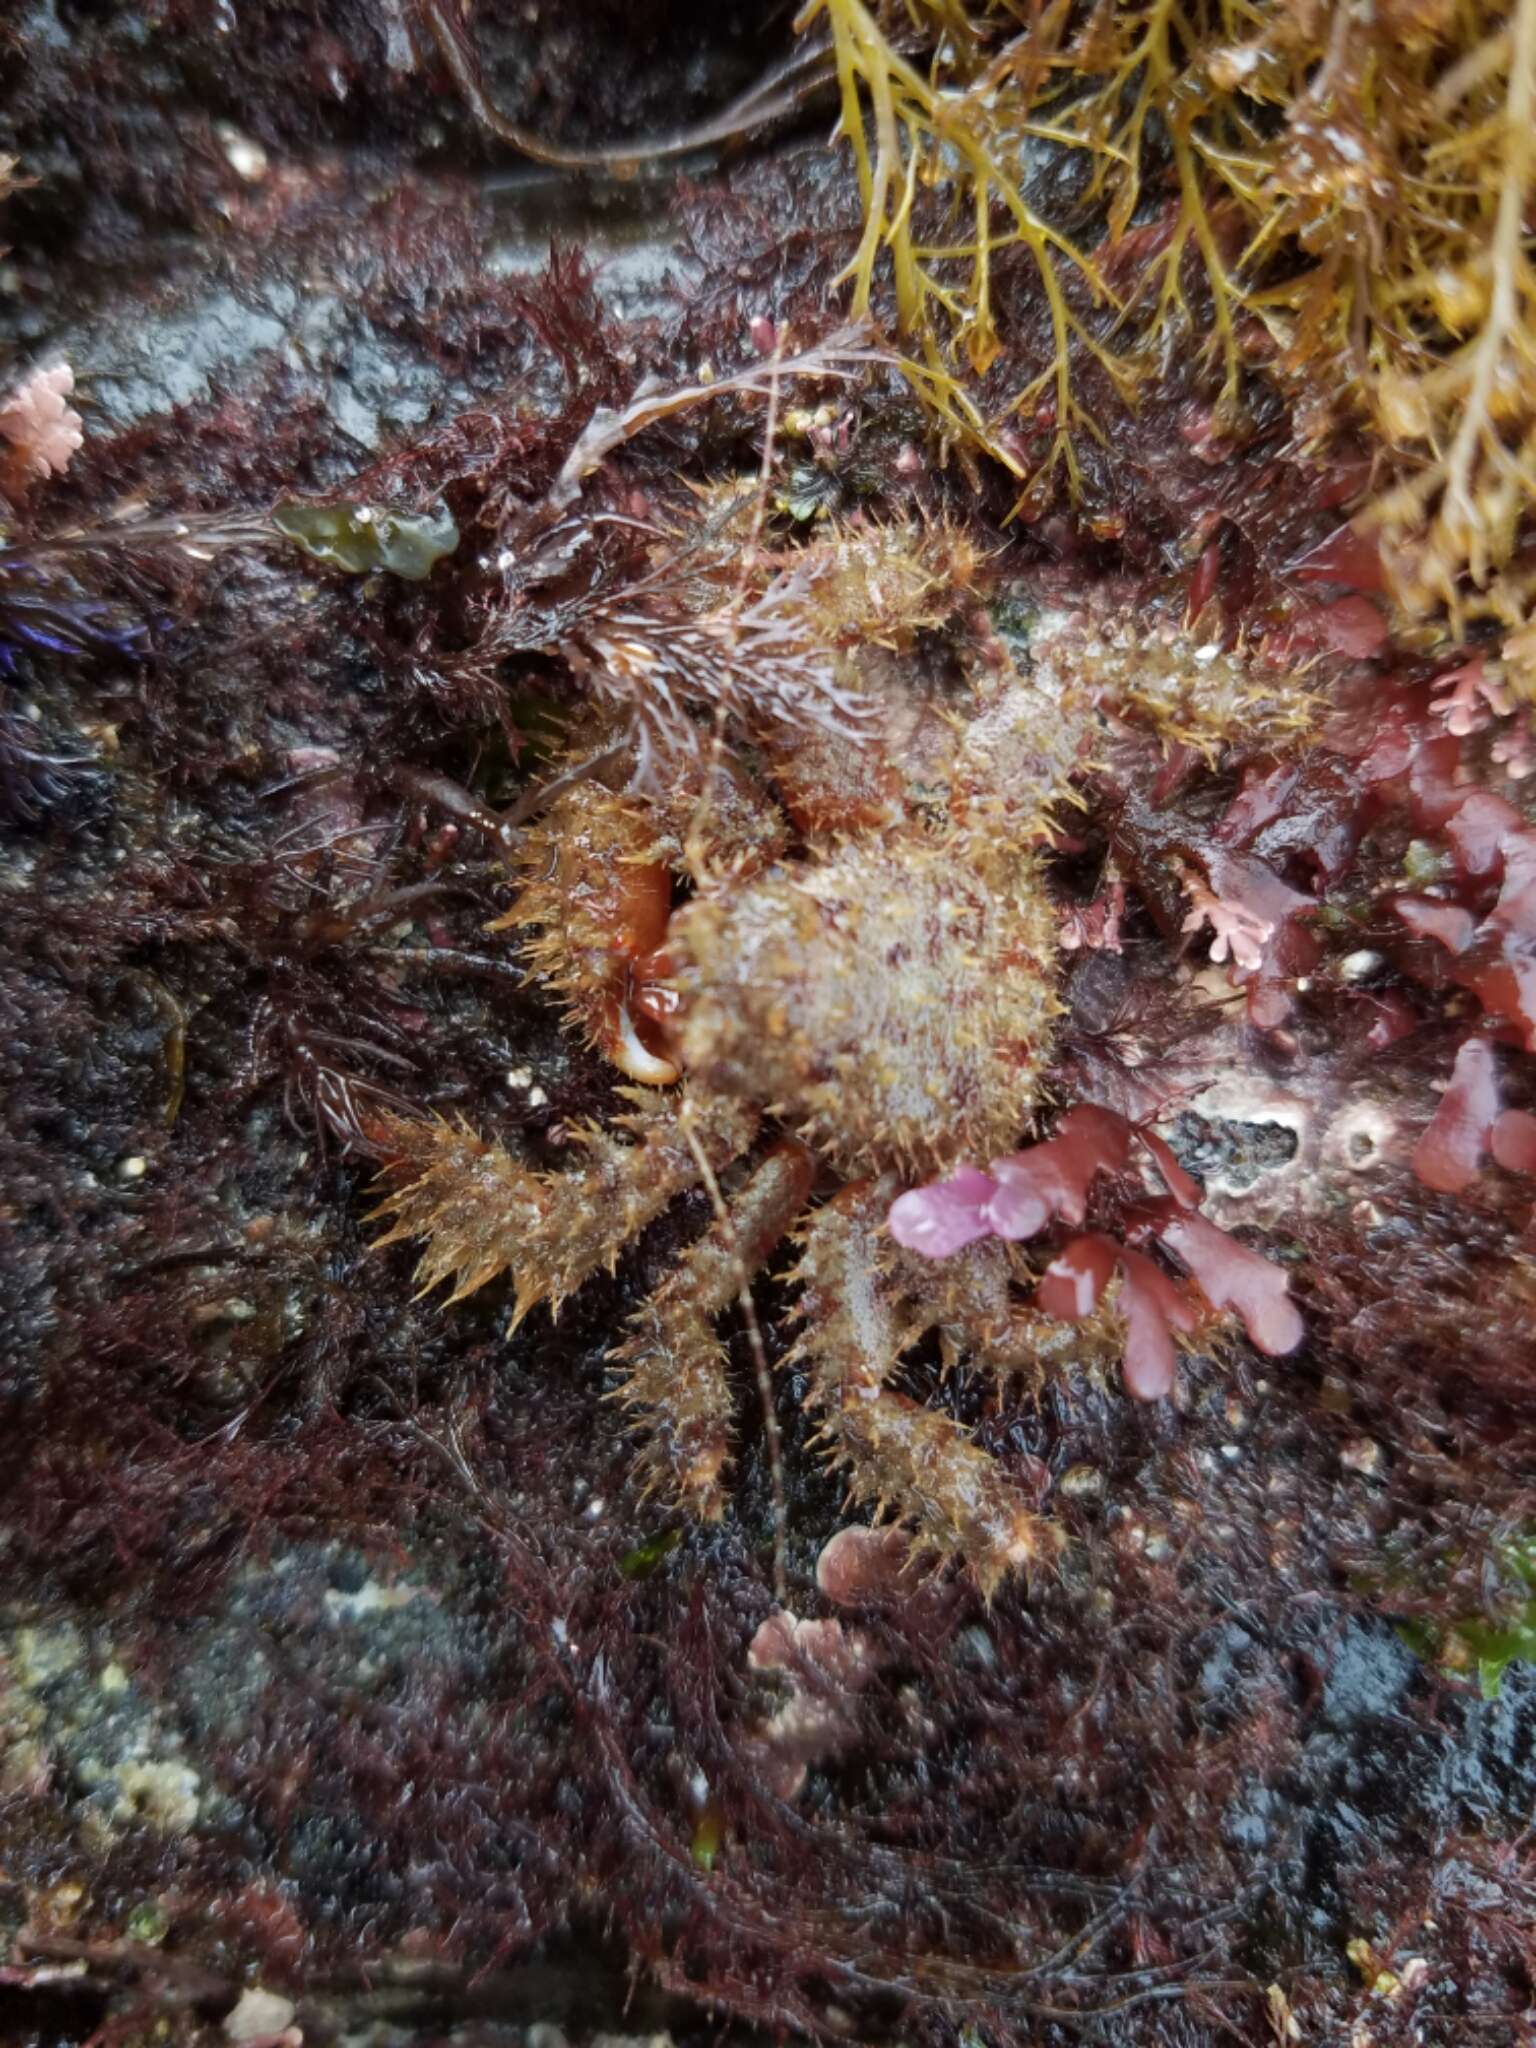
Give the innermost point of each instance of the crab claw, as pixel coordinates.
(632, 1056)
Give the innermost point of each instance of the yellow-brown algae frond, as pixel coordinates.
(915, 1466)
(896, 1004)
(1349, 193)
(1421, 149)
(482, 1214)
(961, 129)
(675, 1365)
(1132, 85)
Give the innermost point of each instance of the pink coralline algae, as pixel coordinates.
(1236, 930)
(41, 428)
(1471, 698)
(826, 1666)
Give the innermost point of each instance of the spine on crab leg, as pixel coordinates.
(675, 1366)
(597, 891)
(480, 1213)
(916, 1466)
(1031, 1348)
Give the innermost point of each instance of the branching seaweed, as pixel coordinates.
(1337, 196)
(957, 129)
(1464, 407)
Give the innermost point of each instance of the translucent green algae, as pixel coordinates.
(367, 538)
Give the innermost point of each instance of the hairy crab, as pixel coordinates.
(791, 881)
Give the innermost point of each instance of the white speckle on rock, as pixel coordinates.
(247, 159)
(166, 1795)
(370, 1598)
(1361, 965)
(1361, 1455)
(258, 2015)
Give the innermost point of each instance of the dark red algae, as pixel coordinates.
(887, 795)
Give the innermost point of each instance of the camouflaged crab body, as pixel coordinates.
(844, 950)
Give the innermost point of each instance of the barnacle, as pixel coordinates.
(40, 428)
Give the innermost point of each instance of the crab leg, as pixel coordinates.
(482, 1213)
(675, 1364)
(918, 1467)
